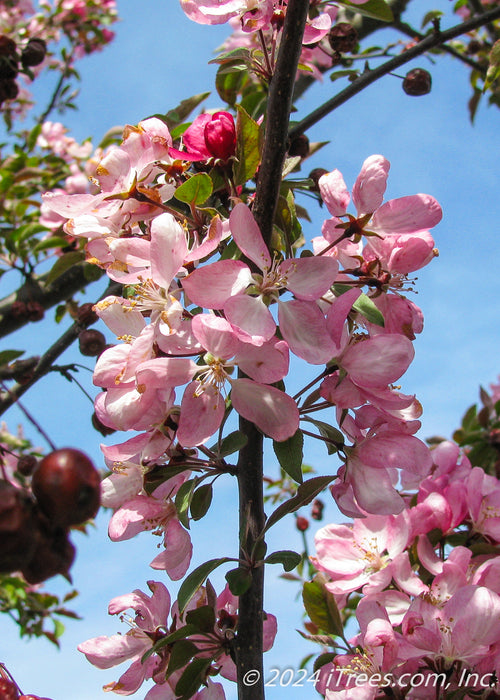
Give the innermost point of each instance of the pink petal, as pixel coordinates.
(334, 192)
(176, 557)
(105, 652)
(161, 372)
(266, 364)
(396, 450)
(368, 191)
(378, 361)
(215, 335)
(303, 326)
(271, 410)
(338, 313)
(201, 414)
(250, 318)
(135, 516)
(168, 249)
(309, 278)
(417, 212)
(373, 489)
(211, 286)
(317, 28)
(210, 242)
(248, 237)
(119, 317)
(71, 205)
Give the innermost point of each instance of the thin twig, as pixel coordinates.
(370, 76)
(31, 419)
(47, 360)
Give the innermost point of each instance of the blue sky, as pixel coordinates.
(159, 58)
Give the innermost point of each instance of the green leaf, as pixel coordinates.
(290, 454)
(7, 356)
(334, 437)
(183, 500)
(192, 678)
(200, 501)
(182, 652)
(64, 263)
(234, 442)
(469, 419)
(33, 136)
(431, 16)
(48, 243)
(195, 580)
(229, 84)
(321, 607)
(367, 308)
(247, 147)
(239, 580)
(493, 72)
(28, 231)
(196, 190)
(203, 618)
(323, 659)
(183, 110)
(288, 558)
(240, 55)
(305, 494)
(181, 633)
(376, 9)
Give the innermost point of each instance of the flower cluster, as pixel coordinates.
(36, 34)
(210, 316)
(204, 631)
(429, 611)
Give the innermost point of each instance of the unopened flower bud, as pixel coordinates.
(417, 82)
(302, 523)
(299, 146)
(26, 465)
(85, 314)
(343, 37)
(317, 509)
(91, 342)
(220, 136)
(34, 52)
(315, 176)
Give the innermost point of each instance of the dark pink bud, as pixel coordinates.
(302, 523)
(220, 136)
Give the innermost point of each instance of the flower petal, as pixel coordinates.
(270, 409)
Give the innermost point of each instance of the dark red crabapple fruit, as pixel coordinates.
(417, 82)
(16, 527)
(54, 553)
(66, 486)
(8, 690)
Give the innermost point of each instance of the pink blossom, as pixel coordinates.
(360, 555)
(106, 652)
(462, 629)
(203, 405)
(244, 297)
(156, 512)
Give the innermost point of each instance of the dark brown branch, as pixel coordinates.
(45, 363)
(249, 640)
(278, 114)
(364, 27)
(412, 33)
(62, 289)
(429, 42)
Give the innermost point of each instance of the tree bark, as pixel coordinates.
(248, 643)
